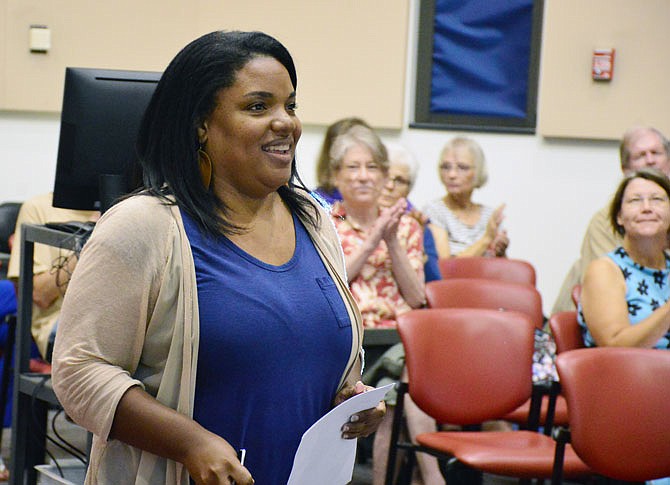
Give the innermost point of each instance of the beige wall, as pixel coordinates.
(571, 104)
(350, 54)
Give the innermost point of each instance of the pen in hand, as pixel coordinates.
(241, 455)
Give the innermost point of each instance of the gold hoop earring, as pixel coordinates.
(205, 166)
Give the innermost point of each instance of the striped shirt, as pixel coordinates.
(461, 235)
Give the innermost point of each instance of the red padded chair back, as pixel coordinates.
(482, 293)
(513, 270)
(468, 365)
(619, 401)
(576, 294)
(566, 331)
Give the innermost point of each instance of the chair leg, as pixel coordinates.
(407, 469)
(395, 433)
(456, 473)
(562, 436)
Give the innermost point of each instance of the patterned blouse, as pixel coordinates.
(375, 288)
(646, 290)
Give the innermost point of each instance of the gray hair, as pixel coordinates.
(399, 155)
(631, 134)
(358, 135)
(477, 154)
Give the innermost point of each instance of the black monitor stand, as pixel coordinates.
(112, 187)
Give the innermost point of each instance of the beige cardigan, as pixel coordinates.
(130, 317)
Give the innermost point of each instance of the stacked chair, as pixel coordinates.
(467, 366)
(511, 294)
(479, 295)
(566, 331)
(505, 269)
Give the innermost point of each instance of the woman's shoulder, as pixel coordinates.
(435, 204)
(438, 212)
(602, 267)
(411, 222)
(485, 210)
(324, 227)
(141, 217)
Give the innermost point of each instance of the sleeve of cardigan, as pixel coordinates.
(107, 306)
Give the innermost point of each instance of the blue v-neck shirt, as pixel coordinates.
(274, 342)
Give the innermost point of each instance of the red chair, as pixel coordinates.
(576, 294)
(619, 402)
(568, 336)
(485, 293)
(513, 270)
(501, 295)
(466, 366)
(566, 331)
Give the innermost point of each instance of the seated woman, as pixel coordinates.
(624, 300)
(383, 248)
(403, 169)
(326, 190)
(474, 229)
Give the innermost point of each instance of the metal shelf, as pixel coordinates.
(33, 394)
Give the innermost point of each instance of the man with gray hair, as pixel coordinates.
(641, 147)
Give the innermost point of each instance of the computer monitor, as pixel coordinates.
(102, 111)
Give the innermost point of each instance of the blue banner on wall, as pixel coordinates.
(481, 57)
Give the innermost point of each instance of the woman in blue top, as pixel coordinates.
(625, 294)
(227, 323)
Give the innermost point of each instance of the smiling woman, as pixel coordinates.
(625, 295)
(474, 229)
(252, 133)
(210, 312)
(383, 247)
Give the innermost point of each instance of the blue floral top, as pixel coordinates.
(646, 290)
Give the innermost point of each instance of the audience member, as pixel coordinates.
(403, 169)
(641, 146)
(625, 294)
(474, 229)
(324, 177)
(382, 245)
(383, 248)
(210, 312)
(51, 269)
(52, 266)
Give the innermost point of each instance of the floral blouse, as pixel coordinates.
(375, 289)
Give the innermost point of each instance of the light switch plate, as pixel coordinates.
(40, 39)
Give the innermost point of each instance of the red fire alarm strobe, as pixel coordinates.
(603, 64)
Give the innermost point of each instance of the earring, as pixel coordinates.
(205, 165)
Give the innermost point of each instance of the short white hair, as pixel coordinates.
(400, 155)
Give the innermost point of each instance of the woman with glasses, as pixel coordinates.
(625, 293)
(474, 229)
(326, 190)
(383, 247)
(403, 169)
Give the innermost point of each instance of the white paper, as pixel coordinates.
(323, 456)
